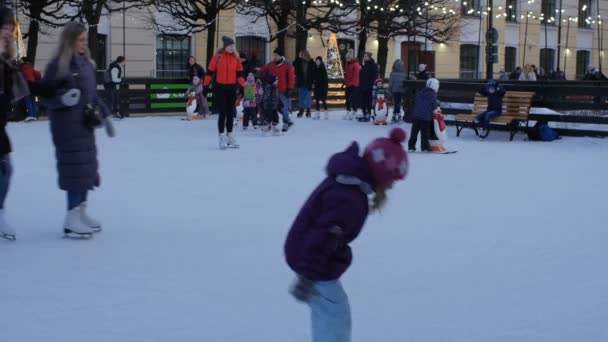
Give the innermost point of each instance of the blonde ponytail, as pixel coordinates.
(379, 200)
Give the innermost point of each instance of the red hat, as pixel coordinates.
(387, 158)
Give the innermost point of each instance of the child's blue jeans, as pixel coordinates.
(330, 313)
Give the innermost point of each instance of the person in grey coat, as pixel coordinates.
(396, 88)
(74, 113)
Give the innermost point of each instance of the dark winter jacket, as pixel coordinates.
(395, 83)
(321, 82)
(353, 73)
(271, 97)
(196, 70)
(369, 74)
(6, 83)
(311, 249)
(75, 147)
(426, 103)
(304, 73)
(423, 75)
(494, 100)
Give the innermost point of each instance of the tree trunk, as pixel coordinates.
(301, 33)
(382, 55)
(362, 44)
(93, 40)
(32, 40)
(211, 31)
(281, 36)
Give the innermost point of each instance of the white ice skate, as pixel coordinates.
(87, 220)
(316, 115)
(223, 142)
(231, 142)
(276, 131)
(326, 115)
(75, 227)
(6, 231)
(347, 116)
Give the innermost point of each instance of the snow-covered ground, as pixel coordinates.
(503, 241)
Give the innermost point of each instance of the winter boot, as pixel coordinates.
(223, 142)
(231, 141)
(87, 220)
(73, 225)
(287, 126)
(301, 112)
(6, 231)
(308, 112)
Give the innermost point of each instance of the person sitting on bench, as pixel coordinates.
(495, 93)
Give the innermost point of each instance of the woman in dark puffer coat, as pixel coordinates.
(72, 71)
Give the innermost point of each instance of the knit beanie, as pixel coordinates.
(433, 83)
(227, 41)
(387, 159)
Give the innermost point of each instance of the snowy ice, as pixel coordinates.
(501, 242)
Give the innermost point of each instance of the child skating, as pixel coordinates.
(317, 246)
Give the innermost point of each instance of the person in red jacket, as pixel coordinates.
(31, 76)
(351, 81)
(285, 73)
(226, 69)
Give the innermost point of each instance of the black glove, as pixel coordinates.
(303, 289)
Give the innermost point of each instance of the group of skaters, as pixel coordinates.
(259, 92)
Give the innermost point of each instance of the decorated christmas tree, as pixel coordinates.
(334, 65)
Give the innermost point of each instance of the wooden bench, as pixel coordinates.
(515, 110)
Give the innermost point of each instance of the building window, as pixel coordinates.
(469, 61)
(547, 9)
(511, 10)
(547, 60)
(470, 8)
(172, 53)
(250, 45)
(582, 63)
(510, 59)
(584, 13)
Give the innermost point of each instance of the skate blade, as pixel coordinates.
(96, 229)
(8, 237)
(68, 234)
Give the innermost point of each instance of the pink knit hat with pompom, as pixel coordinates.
(387, 159)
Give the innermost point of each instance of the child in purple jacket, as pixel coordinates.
(317, 246)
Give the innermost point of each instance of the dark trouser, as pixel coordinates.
(272, 115)
(424, 128)
(224, 97)
(318, 104)
(76, 198)
(351, 99)
(113, 96)
(250, 114)
(366, 101)
(397, 103)
(6, 171)
(484, 118)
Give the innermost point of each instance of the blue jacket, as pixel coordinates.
(494, 100)
(426, 103)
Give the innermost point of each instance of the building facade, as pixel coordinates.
(564, 34)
